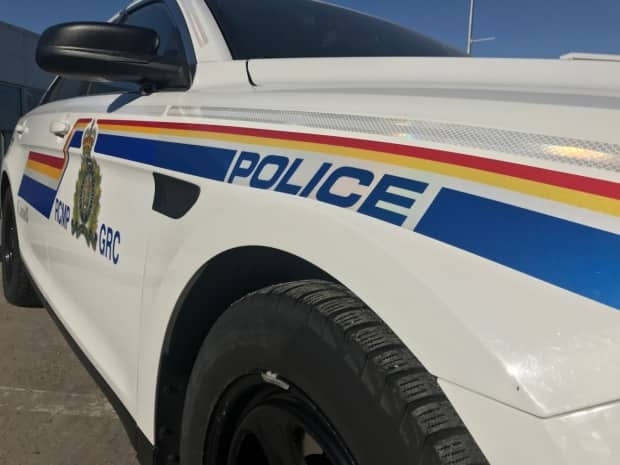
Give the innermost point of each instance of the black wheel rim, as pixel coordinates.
(9, 244)
(260, 423)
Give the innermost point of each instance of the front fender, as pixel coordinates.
(470, 321)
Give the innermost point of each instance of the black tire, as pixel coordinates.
(334, 354)
(16, 282)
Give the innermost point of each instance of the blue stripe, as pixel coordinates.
(76, 140)
(206, 162)
(38, 195)
(572, 256)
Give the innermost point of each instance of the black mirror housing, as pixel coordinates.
(108, 52)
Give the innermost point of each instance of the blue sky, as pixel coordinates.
(524, 28)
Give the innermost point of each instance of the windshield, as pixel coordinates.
(310, 28)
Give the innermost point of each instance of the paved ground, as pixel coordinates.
(51, 412)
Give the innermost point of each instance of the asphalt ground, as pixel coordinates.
(51, 411)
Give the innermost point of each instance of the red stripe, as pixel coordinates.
(556, 178)
(47, 160)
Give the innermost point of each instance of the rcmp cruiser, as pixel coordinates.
(385, 254)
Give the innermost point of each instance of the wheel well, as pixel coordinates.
(220, 282)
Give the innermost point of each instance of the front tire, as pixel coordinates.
(16, 282)
(305, 373)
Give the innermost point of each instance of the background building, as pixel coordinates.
(22, 82)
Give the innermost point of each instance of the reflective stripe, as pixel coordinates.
(53, 173)
(206, 162)
(575, 257)
(580, 191)
(38, 195)
(571, 151)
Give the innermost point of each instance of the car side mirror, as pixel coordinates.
(108, 52)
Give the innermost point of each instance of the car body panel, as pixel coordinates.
(42, 161)
(575, 438)
(391, 74)
(106, 272)
(499, 294)
(496, 306)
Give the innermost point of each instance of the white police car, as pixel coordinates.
(269, 251)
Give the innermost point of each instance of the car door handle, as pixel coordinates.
(60, 128)
(20, 129)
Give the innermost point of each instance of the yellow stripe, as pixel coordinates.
(47, 170)
(559, 194)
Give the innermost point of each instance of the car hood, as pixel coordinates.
(574, 80)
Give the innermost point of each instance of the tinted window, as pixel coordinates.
(30, 99)
(102, 88)
(307, 28)
(66, 88)
(155, 16)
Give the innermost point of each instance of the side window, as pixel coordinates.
(66, 88)
(103, 88)
(156, 16)
(30, 99)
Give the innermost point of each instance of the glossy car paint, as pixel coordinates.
(510, 347)
(585, 436)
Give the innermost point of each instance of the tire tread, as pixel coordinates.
(404, 387)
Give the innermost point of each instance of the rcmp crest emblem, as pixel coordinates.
(84, 221)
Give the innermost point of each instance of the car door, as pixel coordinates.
(97, 253)
(41, 137)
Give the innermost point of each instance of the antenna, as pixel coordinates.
(470, 30)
